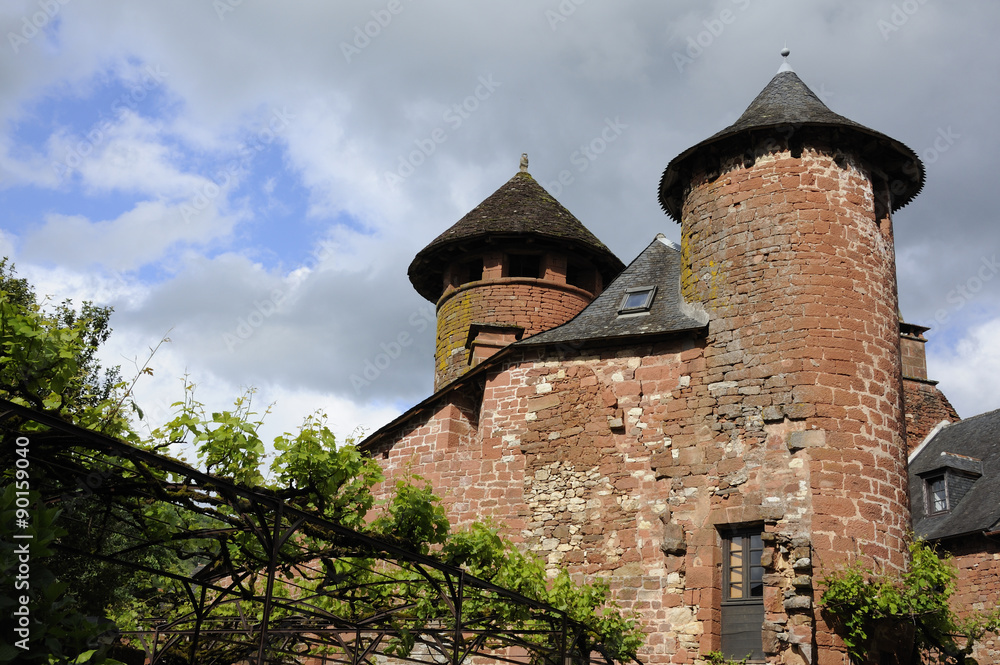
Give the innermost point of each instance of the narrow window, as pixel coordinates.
(523, 265)
(742, 594)
(637, 300)
(937, 495)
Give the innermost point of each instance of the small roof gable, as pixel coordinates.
(787, 105)
(520, 209)
(658, 266)
(968, 447)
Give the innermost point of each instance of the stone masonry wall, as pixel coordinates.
(533, 304)
(561, 457)
(978, 561)
(624, 466)
(798, 277)
(926, 406)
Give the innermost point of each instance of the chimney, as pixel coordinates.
(911, 348)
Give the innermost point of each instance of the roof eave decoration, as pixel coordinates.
(787, 109)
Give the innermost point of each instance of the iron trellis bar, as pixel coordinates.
(271, 566)
(477, 635)
(458, 618)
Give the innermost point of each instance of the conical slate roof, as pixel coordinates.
(521, 209)
(787, 109)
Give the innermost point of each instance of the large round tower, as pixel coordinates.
(787, 243)
(517, 264)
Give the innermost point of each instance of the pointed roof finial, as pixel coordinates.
(524, 162)
(785, 67)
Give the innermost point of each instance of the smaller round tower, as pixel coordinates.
(519, 263)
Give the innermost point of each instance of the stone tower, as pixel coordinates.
(517, 264)
(787, 243)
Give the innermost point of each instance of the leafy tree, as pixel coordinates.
(861, 601)
(48, 359)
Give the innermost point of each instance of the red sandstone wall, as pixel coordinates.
(562, 457)
(597, 462)
(926, 406)
(799, 280)
(534, 304)
(978, 561)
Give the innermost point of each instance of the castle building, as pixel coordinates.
(712, 428)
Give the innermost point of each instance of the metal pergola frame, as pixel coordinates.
(269, 613)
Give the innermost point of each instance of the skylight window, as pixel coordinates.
(637, 300)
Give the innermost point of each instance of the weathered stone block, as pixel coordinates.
(772, 414)
(812, 438)
(798, 603)
(799, 411)
(802, 582)
(673, 542)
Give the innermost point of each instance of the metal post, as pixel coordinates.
(272, 564)
(457, 639)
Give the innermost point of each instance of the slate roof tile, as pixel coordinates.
(658, 265)
(788, 109)
(520, 209)
(977, 438)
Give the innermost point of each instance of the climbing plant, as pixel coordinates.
(861, 600)
(48, 362)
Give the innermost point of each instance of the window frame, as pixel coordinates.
(647, 302)
(929, 498)
(741, 618)
(747, 566)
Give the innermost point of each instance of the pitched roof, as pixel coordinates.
(658, 265)
(787, 107)
(971, 444)
(520, 209)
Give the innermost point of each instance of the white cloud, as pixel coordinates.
(134, 238)
(116, 229)
(968, 372)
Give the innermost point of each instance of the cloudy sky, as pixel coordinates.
(251, 178)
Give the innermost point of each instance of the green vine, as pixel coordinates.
(861, 600)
